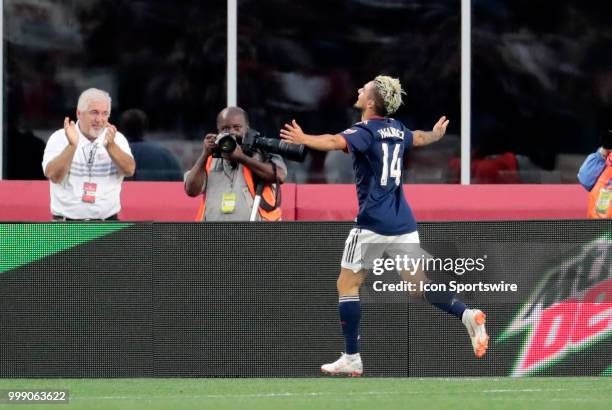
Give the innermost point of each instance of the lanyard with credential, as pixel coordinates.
(91, 159)
(90, 188)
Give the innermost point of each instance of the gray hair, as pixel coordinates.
(390, 91)
(92, 94)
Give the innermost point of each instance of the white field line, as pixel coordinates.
(520, 390)
(305, 394)
(247, 396)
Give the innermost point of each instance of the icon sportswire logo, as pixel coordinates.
(570, 309)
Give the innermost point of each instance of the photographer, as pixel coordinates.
(595, 175)
(228, 180)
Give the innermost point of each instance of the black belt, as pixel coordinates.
(63, 218)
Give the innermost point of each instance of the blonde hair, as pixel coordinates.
(390, 91)
(92, 94)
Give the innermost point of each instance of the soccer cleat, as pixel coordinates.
(474, 321)
(347, 364)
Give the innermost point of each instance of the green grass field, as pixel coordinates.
(327, 393)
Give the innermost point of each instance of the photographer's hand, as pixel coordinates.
(262, 169)
(237, 155)
(209, 145)
(196, 179)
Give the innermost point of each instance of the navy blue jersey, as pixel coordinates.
(377, 147)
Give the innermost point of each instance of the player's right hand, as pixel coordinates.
(292, 133)
(72, 134)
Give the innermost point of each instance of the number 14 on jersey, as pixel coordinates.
(395, 168)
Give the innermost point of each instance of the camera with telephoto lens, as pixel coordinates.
(253, 141)
(226, 144)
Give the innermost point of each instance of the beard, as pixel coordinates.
(96, 132)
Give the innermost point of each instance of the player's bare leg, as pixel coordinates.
(349, 363)
(349, 282)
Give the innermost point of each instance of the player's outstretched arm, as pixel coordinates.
(293, 134)
(420, 138)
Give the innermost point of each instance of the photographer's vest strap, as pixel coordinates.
(600, 197)
(267, 209)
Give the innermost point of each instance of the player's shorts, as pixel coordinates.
(363, 246)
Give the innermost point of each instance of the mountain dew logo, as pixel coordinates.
(570, 310)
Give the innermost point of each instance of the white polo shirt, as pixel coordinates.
(91, 163)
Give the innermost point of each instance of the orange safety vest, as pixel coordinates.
(267, 208)
(600, 197)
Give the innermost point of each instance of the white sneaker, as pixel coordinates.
(474, 321)
(347, 364)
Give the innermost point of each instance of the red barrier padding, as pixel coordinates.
(166, 201)
(24, 201)
(453, 202)
(142, 201)
(157, 201)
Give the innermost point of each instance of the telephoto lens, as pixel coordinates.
(293, 152)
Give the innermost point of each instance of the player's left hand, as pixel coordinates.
(109, 138)
(440, 128)
(292, 133)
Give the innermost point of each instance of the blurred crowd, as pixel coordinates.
(541, 75)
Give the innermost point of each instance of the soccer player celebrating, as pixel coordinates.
(377, 145)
